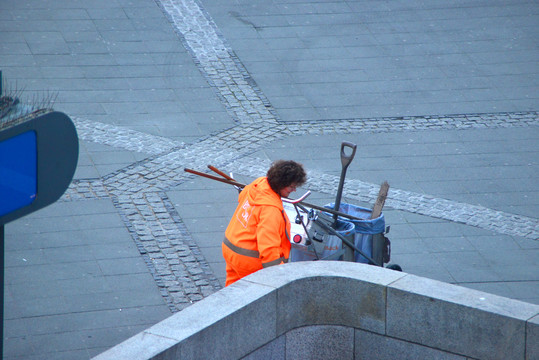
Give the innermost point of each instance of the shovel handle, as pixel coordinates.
(347, 159)
(214, 169)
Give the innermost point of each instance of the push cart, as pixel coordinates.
(315, 236)
(341, 231)
(335, 231)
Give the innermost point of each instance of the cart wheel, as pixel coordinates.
(395, 267)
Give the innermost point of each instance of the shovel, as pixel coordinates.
(345, 161)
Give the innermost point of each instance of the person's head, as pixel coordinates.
(284, 175)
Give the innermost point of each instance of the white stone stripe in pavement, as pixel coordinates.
(217, 60)
(416, 123)
(473, 215)
(122, 138)
(170, 167)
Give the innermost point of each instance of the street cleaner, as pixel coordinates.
(258, 235)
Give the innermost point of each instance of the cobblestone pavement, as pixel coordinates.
(174, 258)
(179, 269)
(143, 190)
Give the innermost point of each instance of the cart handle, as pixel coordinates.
(298, 200)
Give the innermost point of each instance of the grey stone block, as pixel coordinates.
(373, 346)
(342, 301)
(112, 250)
(16, 346)
(212, 254)
(329, 298)
(274, 350)
(532, 338)
(129, 282)
(33, 307)
(521, 272)
(86, 172)
(49, 48)
(233, 337)
(425, 318)
(120, 266)
(98, 338)
(282, 275)
(242, 318)
(64, 209)
(320, 342)
(451, 318)
(104, 170)
(112, 157)
(152, 346)
(68, 254)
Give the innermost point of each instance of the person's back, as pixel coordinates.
(258, 233)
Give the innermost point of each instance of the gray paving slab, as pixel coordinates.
(441, 100)
(55, 282)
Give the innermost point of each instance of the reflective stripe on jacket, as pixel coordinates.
(257, 235)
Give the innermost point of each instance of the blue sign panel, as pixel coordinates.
(18, 172)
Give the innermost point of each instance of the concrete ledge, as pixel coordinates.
(296, 309)
(457, 319)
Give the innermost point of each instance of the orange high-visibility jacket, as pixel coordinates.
(258, 233)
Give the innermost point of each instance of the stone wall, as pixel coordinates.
(341, 310)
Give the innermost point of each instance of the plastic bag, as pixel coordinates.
(364, 229)
(333, 247)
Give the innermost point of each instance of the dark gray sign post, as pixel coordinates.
(38, 157)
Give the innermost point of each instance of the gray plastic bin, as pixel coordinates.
(333, 246)
(330, 246)
(367, 231)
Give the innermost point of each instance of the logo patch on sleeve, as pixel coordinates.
(244, 213)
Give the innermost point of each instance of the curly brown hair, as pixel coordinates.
(283, 173)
